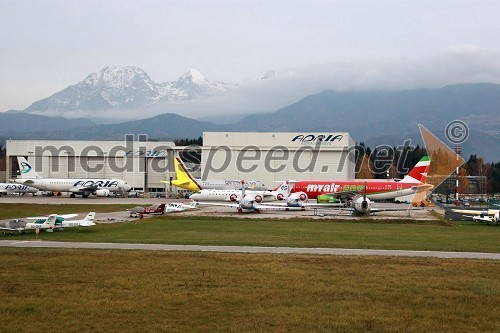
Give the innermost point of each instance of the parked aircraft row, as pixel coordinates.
(49, 224)
(356, 194)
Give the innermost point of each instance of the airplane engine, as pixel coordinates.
(102, 193)
(233, 197)
(303, 197)
(362, 205)
(280, 197)
(258, 199)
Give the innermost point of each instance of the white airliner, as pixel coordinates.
(227, 195)
(247, 200)
(8, 188)
(76, 186)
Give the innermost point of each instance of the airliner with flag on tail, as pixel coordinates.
(374, 189)
(76, 186)
(185, 180)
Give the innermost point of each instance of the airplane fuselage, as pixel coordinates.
(72, 185)
(16, 188)
(375, 189)
(222, 195)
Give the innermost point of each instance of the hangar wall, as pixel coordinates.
(274, 157)
(141, 164)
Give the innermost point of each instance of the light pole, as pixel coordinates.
(458, 150)
(67, 163)
(105, 164)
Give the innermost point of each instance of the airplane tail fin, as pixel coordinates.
(51, 221)
(419, 172)
(89, 220)
(283, 190)
(27, 171)
(184, 178)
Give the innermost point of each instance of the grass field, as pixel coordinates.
(55, 290)
(374, 234)
(69, 290)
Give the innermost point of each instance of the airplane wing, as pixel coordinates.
(207, 203)
(276, 207)
(86, 190)
(65, 216)
(27, 181)
(476, 212)
(9, 229)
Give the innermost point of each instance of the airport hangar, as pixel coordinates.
(265, 156)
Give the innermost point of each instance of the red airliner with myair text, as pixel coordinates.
(376, 189)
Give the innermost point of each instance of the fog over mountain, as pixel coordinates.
(119, 92)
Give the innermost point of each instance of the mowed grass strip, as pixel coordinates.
(374, 234)
(56, 290)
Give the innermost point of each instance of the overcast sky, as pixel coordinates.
(48, 45)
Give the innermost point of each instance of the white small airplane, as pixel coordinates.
(48, 224)
(488, 216)
(8, 188)
(76, 186)
(88, 221)
(179, 206)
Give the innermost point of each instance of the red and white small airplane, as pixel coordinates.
(139, 211)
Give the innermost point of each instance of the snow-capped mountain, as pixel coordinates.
(127, 87)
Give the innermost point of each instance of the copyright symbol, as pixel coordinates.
(457, 131)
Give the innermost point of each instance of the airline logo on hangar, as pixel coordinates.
(311, 139)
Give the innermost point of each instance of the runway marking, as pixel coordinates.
(251, 249)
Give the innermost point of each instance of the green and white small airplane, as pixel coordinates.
(49, 224)
(20, 226)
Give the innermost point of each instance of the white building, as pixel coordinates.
(273, 157)
(143, 165)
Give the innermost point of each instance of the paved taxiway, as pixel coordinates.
(416, 214)
(249, 249)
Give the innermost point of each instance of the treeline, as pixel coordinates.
(385, 161)
(476, 166)
(395, 162)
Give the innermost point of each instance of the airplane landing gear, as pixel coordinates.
(72, 195)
